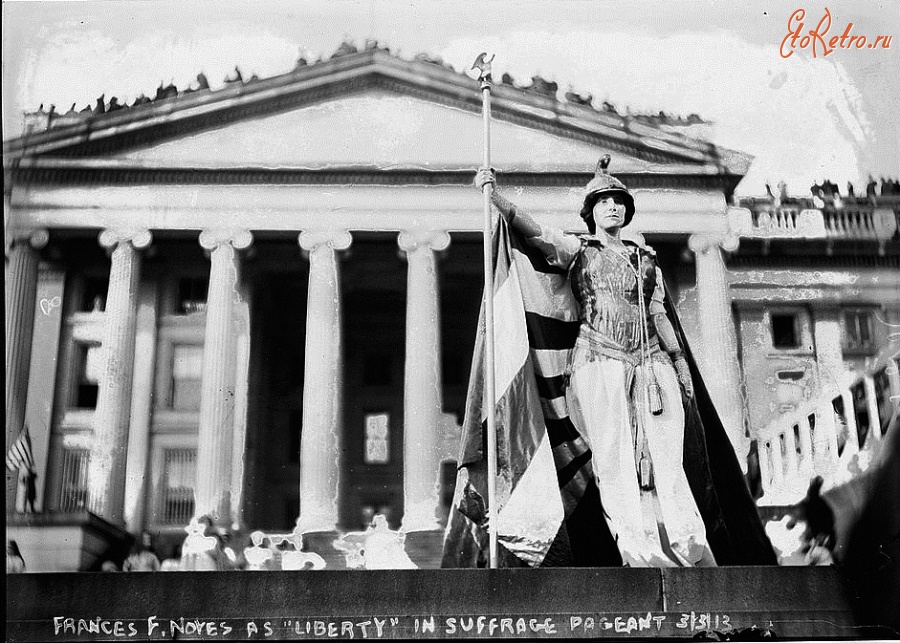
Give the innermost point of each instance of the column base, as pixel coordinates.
(424, 548)
(320, 542)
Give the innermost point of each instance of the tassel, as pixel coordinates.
(645, 473)
(654, 395)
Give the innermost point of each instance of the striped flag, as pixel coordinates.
(20, 454)
(544, 481)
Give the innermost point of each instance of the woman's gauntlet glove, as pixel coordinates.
(684, 373)
(506, 208)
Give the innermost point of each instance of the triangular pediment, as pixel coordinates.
(370, 109)
(377, 129)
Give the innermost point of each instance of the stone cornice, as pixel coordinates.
(847, 255)
(91, 173)
(198, 111)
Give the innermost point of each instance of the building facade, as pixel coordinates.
(260, 302)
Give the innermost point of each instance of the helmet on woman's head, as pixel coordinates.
(605, 184)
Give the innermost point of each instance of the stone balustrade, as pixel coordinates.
(833, 436)
(857, 222)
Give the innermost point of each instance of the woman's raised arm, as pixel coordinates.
(558, 247)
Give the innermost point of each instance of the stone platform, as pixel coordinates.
(807, 603)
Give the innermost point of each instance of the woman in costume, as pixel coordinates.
(626, 377)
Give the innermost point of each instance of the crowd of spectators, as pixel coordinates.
(827, 195)
(538, 86)
(207, 547)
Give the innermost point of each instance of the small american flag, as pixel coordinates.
(20, 454)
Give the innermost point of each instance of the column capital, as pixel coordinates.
(412, 240)
(139, 238)
(212, 238)
(309, 240)
(37, 239)
(702, 243)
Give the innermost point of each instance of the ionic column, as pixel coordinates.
(320, 442)
(719, 350)
(137, 480)
(217, 384)
(21, 292)
(242, 392)
(106, 471)
(422, 399)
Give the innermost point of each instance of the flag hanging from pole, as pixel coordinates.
(20, 454)
(544, 475)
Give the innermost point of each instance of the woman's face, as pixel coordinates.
(609, 212)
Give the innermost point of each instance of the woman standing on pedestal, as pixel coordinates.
(626, 377)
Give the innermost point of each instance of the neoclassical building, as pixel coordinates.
(260, 302)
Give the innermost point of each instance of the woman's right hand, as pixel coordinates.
(484, 176)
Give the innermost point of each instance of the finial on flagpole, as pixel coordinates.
(483, 65)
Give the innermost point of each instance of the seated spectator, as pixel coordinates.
(201, 549)
(15, 564)
(143, 556)
(298, 560)
(173, 563)
(258, 556)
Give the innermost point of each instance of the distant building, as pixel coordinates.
(260, 302)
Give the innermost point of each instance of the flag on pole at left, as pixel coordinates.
(20, 454)
(544, 480)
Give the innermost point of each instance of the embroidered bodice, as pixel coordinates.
(605, 283)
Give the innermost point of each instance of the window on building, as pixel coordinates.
(93, 294)
(187, 372)
(73, 492)
(88, 366)
(858, 330)
(785, 333)
(192, 292)
(178, 480)
(377, 438)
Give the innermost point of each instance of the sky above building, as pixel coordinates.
(804, 118)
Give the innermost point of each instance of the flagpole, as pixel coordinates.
(484, 65)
